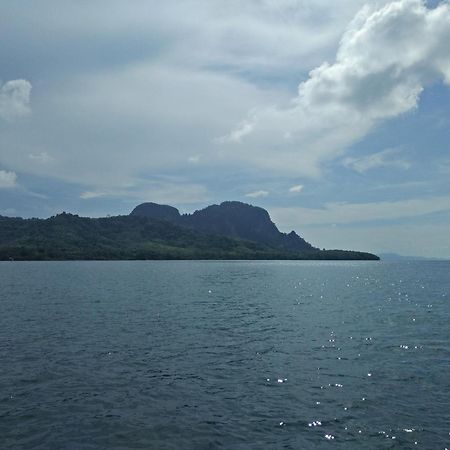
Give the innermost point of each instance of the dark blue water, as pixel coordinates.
(233, 355)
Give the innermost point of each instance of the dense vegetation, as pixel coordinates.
(70, 237)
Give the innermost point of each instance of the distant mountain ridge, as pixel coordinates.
(397, 257)
(231, 218)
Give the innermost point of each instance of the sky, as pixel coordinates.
(334, 116)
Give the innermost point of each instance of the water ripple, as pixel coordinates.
(235, 355)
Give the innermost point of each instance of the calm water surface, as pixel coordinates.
(233, 355)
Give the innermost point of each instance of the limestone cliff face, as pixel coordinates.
(233, 219)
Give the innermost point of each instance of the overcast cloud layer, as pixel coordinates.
(285, 103)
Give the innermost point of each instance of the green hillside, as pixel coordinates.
(70, 237)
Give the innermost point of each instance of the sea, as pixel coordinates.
(225, 355)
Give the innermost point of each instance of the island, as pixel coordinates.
(232, 230)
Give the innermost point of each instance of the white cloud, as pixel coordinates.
(347, 213)
(236, 135)
(385, 59)
(296, 189)
(385, 158)
(194, 159)
(88, 195)
(14, 99)
(7, 179)
(257, 194)
(42, 157)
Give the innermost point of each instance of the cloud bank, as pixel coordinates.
(385, 59)
(296, 189)
(348, 213)
(130, 92)
(117, 112)
(257, 194)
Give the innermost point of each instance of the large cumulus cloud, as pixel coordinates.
(386, 58)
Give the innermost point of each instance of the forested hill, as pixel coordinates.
(70, 237)
(233, 219)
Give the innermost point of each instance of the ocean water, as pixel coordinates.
(224, 355)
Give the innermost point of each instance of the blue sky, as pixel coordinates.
(333, 116)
